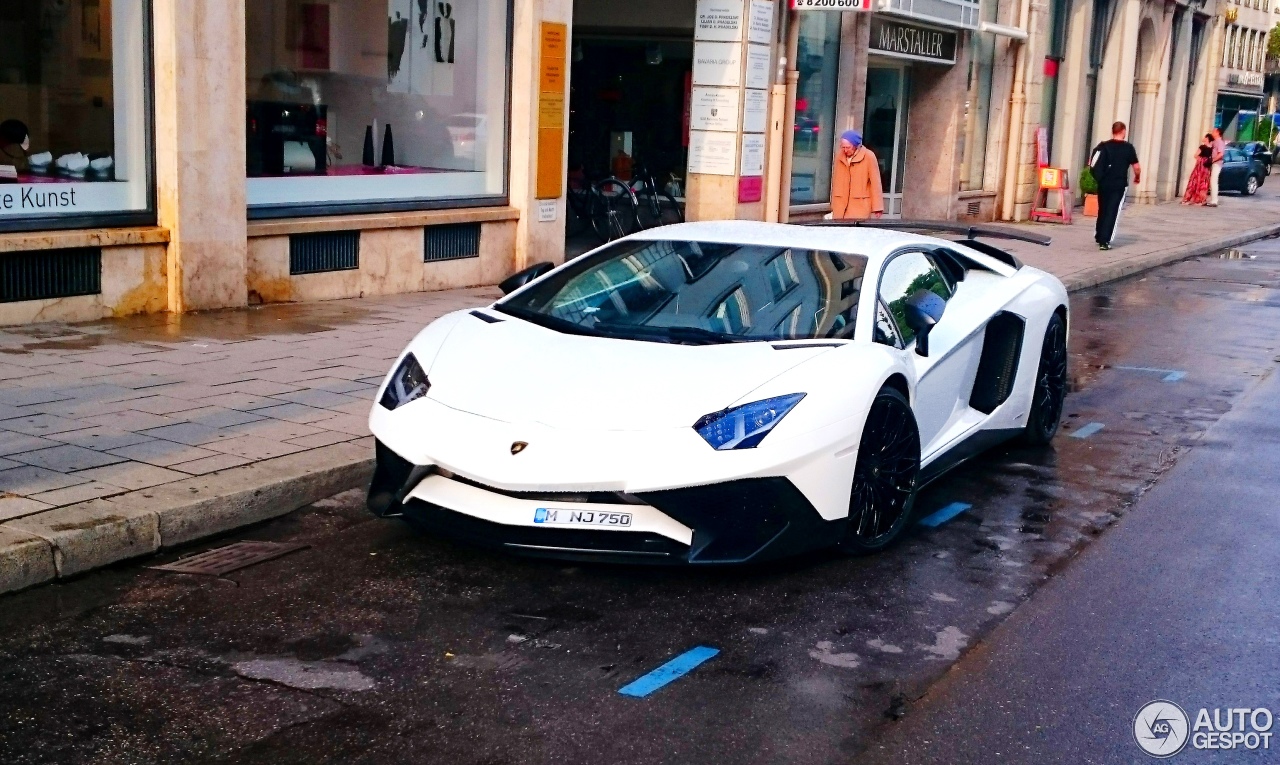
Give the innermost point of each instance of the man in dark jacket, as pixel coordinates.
(1110, 163)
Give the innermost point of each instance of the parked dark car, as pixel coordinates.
(1258, 150)
(1240, 172)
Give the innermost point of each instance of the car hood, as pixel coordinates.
(515, 371)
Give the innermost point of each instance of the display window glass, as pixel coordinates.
(74, 109)
(375, 104)
(818, 62)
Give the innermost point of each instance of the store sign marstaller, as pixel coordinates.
(897, 38)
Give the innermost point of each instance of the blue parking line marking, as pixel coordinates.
(673, 670)
(1088, 430)
(940, 517)
(1169, 375)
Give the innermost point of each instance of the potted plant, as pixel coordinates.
(1089, 187)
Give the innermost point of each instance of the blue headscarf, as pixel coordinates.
(853, 137)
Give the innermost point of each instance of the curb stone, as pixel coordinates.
(1092, 277)
(25, 560)
(77, 538)
(71, 540)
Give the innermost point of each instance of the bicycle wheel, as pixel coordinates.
(650, 209)
(614, 214)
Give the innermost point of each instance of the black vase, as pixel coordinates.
(388, 147)
(367, 159)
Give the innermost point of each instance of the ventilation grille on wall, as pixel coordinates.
(325, 251)
(50, 274)
(452, 241)
(974, 208)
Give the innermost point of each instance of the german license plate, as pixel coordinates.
(560, 517)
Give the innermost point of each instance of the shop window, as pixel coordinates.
(978, 105)
(818, 61)
(74, 147)
(362, 105)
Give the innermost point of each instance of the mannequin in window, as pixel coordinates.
(856, 192)
(15, 142)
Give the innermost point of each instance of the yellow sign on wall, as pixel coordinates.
(551, 97)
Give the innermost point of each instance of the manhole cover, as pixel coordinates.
(224, 560)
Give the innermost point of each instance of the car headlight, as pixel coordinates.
(409, 383)
(743, 427)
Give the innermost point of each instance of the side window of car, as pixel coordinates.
(904, 275)
(886, 331)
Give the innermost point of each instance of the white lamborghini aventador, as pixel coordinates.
(720, 392)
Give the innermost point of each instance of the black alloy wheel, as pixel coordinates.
(1051, 385)
(884, 480)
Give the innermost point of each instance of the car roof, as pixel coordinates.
(868, 242)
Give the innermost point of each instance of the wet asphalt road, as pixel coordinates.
(379, 646)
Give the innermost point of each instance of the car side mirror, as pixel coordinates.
(922, 311)
(521, 278)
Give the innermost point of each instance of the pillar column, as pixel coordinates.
(540, 231)
(733, 69)
(1147, 94)
(200, 150)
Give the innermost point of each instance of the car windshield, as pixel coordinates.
(698, 293)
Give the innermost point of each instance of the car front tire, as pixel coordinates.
(884, 480)
(1051, 385)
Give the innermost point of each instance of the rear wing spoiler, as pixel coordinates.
(971, 233)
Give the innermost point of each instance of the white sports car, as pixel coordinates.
(720, 392)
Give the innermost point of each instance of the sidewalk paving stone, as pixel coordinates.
(282, 392)
(41, 424)
(101, 438)
(26, 480)
(67, 458)
(160, 453)
(132, 475)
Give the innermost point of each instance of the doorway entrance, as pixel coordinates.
(885, 128)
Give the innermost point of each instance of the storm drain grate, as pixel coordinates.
(452, 241)
(45, 274)
(224, 560)
(324, 251)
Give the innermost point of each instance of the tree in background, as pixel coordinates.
(1273, 42)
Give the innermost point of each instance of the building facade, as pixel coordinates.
(1242, 69)
(163, 155)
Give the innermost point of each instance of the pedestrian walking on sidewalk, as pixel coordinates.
(1198, 183)
(1219, 148)
(856, 193)
(1110, 163)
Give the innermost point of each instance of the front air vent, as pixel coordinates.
(325, 251)
(45, 274)
(452, 242)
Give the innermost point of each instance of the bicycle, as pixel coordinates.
(657, 207)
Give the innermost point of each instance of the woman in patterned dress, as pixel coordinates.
(1198, 183)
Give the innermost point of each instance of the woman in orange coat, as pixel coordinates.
(855, 181)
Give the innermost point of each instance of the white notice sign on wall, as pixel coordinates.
(714, 108)
(547, 210)
(717, 63)
(752, 155)
(760, 22)
(755, 111)
(718, 20)
(712, 153)
(757, 66)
